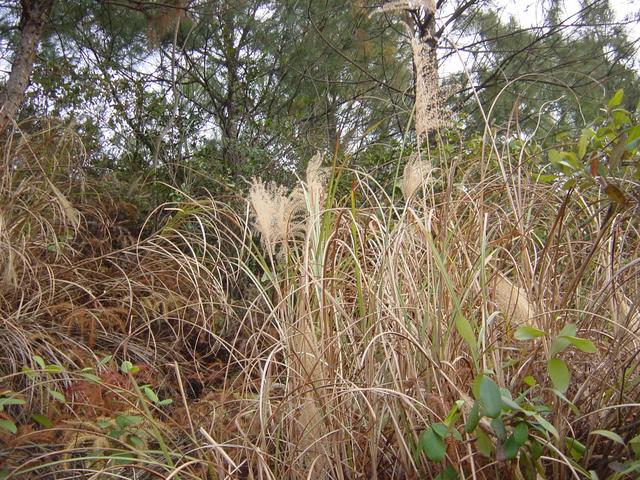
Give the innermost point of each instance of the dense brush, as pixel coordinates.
(308, 335)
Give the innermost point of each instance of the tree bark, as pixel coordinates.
(32, 20)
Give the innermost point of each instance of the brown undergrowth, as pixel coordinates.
(306, 335)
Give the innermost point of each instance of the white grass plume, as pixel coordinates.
(273, 211)
(394, 5)
(430, 111)
(513, 302)
(315, 186)
(416, 173)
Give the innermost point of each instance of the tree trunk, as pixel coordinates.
(32, 20)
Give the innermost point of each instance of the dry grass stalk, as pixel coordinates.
(71, 214)
(7, 262)
(331, 371)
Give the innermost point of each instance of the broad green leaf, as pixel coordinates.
(582, 146)
(545, 425)
(582, 344)
(634, 443)
(568, 160)
(58, 396)
(91, 377)
(106, 359)
(440, 429)
(633, 138)
(8, 425)
(40, 361)
(490, 397)
(136, 441)
(526, 332)
(558, 345)
(484, 443)
(585, 136)
(151, 395)
(510, 448)
(620, 117)
(546, 178)
(448, 473)
(555, 157)
(104, 423)
(608, 434)
(616, 100)
(42, 420)
(569, 330)
(475, 386)
(52, 368)
(432, 445)
(31, 374)
(465, 330)
(11, 401)
(576, 449)
(128, 420)
(499, 429)
(521, 433)
(473, 418)
(618, 151)
(559, 374)
(126, 366)
(560, 342)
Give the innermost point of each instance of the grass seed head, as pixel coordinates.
(416, 173)
(273, 211)
(513, 301)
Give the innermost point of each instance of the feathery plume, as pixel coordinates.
(430, 112)
(273, 211)
(394, 5)
(512, 301)
(315, 185)
(416, 173)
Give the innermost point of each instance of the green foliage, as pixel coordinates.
(8, 398)
(549, 80)
(604, 157)
(504, 428)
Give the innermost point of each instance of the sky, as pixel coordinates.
(530, 13)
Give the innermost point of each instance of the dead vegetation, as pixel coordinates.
(301, 337)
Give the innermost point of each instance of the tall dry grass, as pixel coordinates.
(309, 335)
